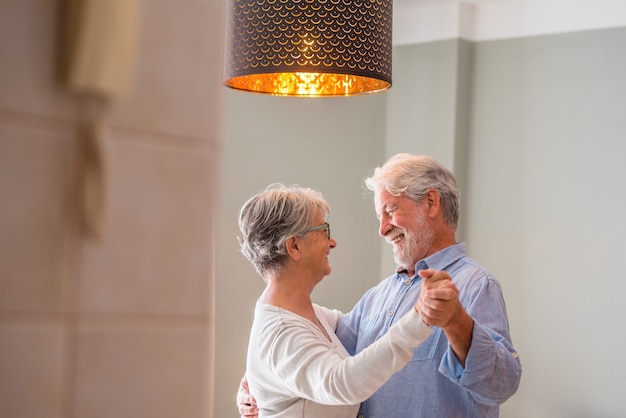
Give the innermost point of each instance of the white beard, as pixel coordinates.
(414, 246)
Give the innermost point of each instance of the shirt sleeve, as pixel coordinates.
(311, 370)
(492, 369)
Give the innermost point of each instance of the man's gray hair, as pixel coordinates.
(412, 176)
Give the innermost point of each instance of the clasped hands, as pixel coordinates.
(438, 301)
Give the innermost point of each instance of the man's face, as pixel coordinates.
(404, 224)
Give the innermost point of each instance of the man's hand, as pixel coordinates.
(245, 401)
(438, 301)
(439, 305)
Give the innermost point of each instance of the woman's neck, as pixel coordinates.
(291, 295)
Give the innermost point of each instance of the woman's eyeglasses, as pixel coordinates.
(325, 225)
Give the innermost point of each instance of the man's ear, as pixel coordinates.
(433, 198)
(293, 250)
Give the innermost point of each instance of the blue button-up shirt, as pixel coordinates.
(435, 384)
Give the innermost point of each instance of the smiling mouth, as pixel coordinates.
(396, 239)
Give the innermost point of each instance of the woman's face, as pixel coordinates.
(318, 248)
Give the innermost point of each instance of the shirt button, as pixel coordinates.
(407, 282)
(390, 313)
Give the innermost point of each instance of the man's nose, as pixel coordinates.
(384, 226)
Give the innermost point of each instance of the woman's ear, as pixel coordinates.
(293, 250)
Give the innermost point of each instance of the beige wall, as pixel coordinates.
(120, 326)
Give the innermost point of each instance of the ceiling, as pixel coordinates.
(417, 21)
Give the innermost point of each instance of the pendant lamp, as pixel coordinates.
(309, 48)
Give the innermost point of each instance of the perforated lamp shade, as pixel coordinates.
(310, 48)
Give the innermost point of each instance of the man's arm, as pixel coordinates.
(474, 346)
(246, 404)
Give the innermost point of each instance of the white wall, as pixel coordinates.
(545, 211)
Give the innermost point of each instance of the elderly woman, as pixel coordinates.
(296, 365)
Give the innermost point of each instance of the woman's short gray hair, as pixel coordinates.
(412, 176)
(270, 217)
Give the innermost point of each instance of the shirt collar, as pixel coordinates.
(441, 259)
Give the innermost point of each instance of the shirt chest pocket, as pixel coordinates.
(427, 350)
(369, 328)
